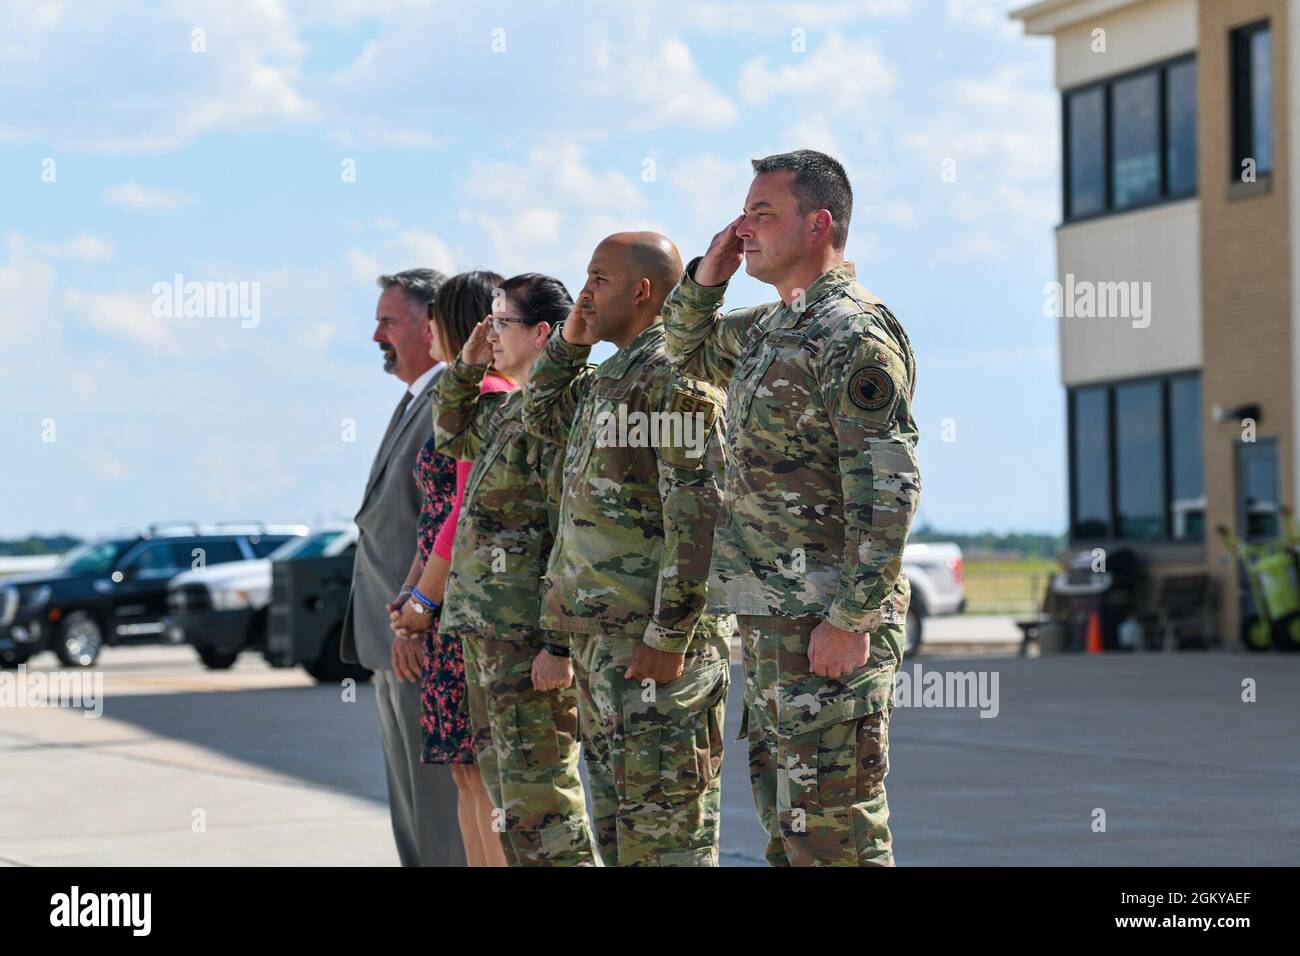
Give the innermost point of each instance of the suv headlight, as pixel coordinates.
(36, 597)
(238, 599)
(8, 604)
(228, 600)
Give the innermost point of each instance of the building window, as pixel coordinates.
(1187, 482)
(1135, 460)
(1131, 141)
(1139, 462)
(1090, 447)
(1252, 99)
(1258, 504)
(1085, 121)
(1180, 127)
(1135, 132)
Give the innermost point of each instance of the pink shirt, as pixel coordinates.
(446, 533)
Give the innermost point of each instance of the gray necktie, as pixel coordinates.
(388, 434)
(397, 417)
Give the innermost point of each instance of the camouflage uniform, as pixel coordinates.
(527, 740)
(820, 489)
(630, 564)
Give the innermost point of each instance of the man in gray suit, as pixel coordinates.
(421, 797)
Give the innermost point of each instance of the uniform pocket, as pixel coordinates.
(814, 702)
(533, 744)
(673, 743)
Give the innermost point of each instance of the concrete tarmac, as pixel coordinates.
(256, 766)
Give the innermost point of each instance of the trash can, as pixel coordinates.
(1110, 593)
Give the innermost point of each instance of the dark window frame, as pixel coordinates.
(1240, 95)
(1166, 381)
(1106, 84)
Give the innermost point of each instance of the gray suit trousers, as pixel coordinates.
(421, 796)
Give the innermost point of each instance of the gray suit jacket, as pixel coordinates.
(388, 520)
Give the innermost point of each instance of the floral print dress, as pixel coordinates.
(444, 712)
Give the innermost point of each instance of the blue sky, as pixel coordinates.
(504, 135)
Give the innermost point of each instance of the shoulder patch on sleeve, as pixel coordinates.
(871, 389)
(874, 384)
(694, 409)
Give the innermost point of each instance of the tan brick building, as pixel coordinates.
(1178, 317)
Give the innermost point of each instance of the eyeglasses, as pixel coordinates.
(499, 322)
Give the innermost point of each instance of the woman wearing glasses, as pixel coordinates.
(521, 680)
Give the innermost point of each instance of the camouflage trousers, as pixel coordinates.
(818, 748)
(654, 753)
(528, 750)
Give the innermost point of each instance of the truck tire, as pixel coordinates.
(215, 660)
(78, 640)
(329, 668)
(912, 631)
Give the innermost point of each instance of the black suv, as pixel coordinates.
(114, 590)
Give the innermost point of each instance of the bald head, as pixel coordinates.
(630, 276)
(653, 256)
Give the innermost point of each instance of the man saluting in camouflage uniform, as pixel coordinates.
(628, 572)
(820, 488)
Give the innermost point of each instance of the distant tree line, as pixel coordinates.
(1014, 544)
(34, 545)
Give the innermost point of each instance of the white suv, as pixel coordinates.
(935, 573)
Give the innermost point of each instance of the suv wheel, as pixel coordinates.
(329, 668)
(911, 632)
(215, 660)
(78, 640)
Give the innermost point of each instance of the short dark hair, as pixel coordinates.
(420, 285)
(463, 302)
(819, 183)
(541, 298)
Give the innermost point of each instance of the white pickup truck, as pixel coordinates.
(222, 609)
(935, 573)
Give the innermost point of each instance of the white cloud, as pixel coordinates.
(983, 14)
(400, 249)
(665, 86)
(29, 310)
(135, 196)
(549, 211)
(766, 17)
(713, 188)
(556, 172)
(107, 466)
(839, 72)
(125, 77)
(896, 213)
(122, 317)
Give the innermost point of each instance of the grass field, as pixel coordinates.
(1006, 587)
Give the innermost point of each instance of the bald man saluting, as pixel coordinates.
(628, 573)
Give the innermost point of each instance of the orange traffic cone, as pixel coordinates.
(1093, 645)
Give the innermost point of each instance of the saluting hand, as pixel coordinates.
(477, 350)
(576, 331)
(725, 254)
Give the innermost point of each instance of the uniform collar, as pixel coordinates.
(616, 365)
(828, 282)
